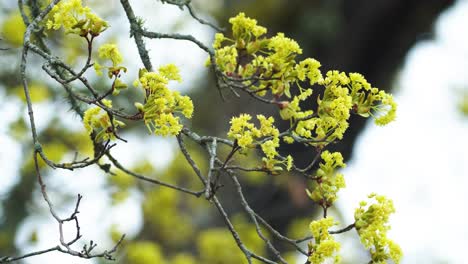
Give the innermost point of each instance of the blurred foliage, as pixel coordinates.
(463, 104)
(13, 29)
(144, 252)
(39, 93)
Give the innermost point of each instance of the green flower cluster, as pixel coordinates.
(324, 246)
(372, 226)
(267, 137)
(75, 19)
(97, 120)
(329, 182)
(162, 103)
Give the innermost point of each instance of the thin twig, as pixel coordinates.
(253, 217)
(339, 231)
(135, 32)
(202, 21)
(212, 152)
(150, 180)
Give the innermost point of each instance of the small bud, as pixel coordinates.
(139, 106)
(283, 104)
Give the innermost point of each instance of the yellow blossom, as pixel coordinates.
(97, 120)
(371, 222)
(324, 246)
(75, 19)
(111, 52)
(162, 104)
(329, 181)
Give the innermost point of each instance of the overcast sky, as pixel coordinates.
(421, 160)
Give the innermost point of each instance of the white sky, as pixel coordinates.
(420, 161)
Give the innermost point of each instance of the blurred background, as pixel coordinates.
(417, 50)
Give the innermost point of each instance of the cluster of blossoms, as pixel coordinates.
(372, 226)
(324, 246)
(329, 182)
(265, 66)
(98, 121)
(161, 103)
(365, 100)
(261, 66)
(268, 65)
(111, 52)
(75, 19)
(248, 136)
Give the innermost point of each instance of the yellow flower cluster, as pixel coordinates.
(372, 226)
(370, 101)
(226, 59)
(75, 19)
(111, 52)
(162, 103)
(329, 182)
(268, 65)
(342, 95)
(291, 110)
(334, 108)
(97, 120)
(272, 60)
(244, 27)
(324, 247)
(267, 136)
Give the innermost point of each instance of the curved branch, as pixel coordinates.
(150, 180)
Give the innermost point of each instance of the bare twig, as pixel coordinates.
(339, 231)
(212, 152)
(150, 180)
(135, 31)
(202, 21)
(156, 35)
(253, 217)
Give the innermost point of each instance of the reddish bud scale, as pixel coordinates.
(282, 104)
